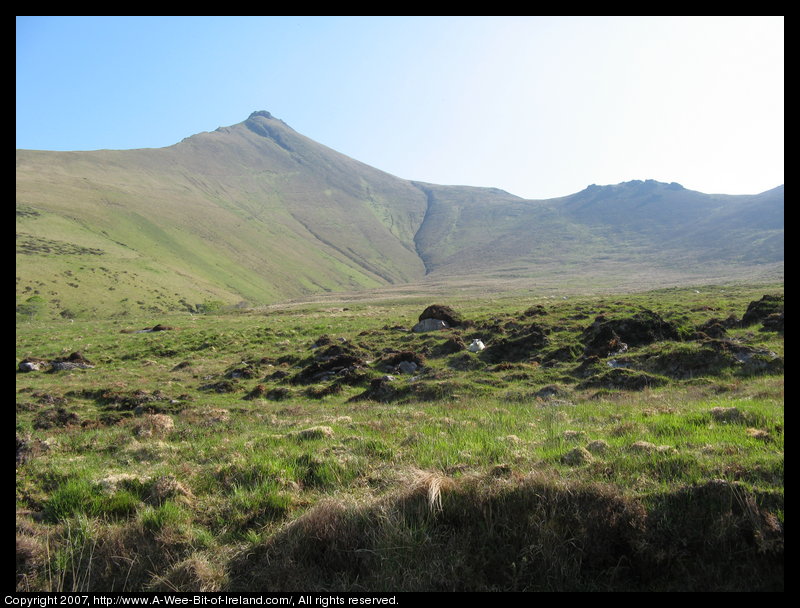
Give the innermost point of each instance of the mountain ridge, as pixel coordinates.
(258, 212)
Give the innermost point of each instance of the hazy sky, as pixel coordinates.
(539, 106)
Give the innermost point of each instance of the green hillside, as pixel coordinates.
(256, 213)
(628, 231)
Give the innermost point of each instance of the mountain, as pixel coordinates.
(257, 212)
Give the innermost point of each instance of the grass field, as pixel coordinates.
(608, 442)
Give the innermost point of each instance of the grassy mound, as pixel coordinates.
(532, 534)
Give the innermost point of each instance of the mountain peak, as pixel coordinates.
(262, 113)
(636, 184)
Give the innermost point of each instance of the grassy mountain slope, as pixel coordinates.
(474, 230)
(690, 225)
(254, 211)
(630, 228)
(257, 212)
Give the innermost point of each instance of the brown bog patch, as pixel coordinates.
(759, 434)
(452, 345)
(774, 322)
(327, 369)
(521, 348)
(605, 336)
(761, 309)
(383, 390)
(393, 359)
(55, 417)
(598, 446)
(714, 536)
(28, 448)
(258, 392)
(623, 379)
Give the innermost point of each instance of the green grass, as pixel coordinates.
(164, 472)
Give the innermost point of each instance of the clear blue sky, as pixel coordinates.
(539, 106)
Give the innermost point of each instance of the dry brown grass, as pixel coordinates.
(315, 432)
(154, 425)
(577, 456)
(31, 556)
(198, 572)
(430, 484)
(129, 557)
(167, 487)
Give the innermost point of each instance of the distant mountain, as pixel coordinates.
(257, 212)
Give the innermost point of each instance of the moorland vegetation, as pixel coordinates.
(629, 441)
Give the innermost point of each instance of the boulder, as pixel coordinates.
(75, 361)
(32, 365)
(407, 367)
(430, 325)
(442, 313)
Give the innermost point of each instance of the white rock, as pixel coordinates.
(429, 325)
(406, 367)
